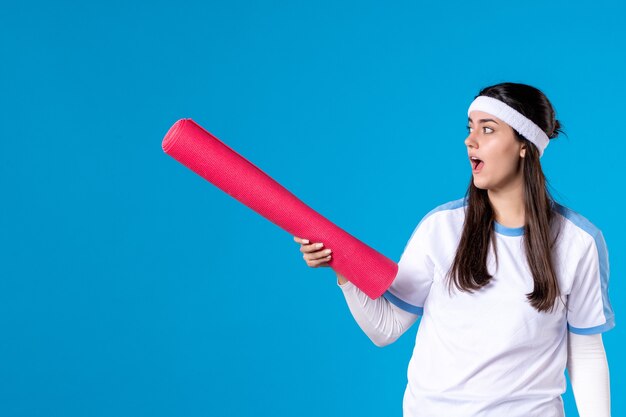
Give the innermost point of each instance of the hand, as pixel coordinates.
(314, 253)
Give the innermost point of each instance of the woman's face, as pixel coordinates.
(494, 143)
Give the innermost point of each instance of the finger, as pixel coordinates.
(300, 240)
(319, 262)
(311, 248)
(312, 256)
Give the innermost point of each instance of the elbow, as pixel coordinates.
(383, 341)
(379, 344)
(382, 338)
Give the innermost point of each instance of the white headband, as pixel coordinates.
(513, 118)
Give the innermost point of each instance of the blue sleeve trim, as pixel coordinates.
(403, 304)
(603, 255)
(593, 330)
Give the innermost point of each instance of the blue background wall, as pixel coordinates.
(130, 286)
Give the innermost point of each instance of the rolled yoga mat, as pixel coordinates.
(207, 156)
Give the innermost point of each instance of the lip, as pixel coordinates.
(474, 170)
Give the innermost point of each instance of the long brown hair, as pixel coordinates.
(469, 271)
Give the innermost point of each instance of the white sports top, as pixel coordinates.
(491, 353)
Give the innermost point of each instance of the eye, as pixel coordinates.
(469, 129)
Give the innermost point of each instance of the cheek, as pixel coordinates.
(502, 160)
(506, 164)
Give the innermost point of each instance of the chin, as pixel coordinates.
(480, 184)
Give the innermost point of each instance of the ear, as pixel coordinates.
(522, 152)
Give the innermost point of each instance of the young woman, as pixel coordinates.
(511, 287)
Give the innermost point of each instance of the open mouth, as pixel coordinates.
(477, 164)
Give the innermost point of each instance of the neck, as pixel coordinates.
(508, 205)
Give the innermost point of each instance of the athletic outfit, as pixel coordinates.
(489, 353)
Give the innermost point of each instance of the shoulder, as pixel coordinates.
(449, 213)
(447, 209)
(442, 221)
(576, 221)
(579, 228)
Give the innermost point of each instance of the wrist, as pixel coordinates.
(341, 280)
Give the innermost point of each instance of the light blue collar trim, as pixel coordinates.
(508, 231)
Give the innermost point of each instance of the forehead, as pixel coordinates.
(477, 116)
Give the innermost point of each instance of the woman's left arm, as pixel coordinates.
(588, 371)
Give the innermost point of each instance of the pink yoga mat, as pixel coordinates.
(207, 156)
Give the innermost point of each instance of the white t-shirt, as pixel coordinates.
(491, 353)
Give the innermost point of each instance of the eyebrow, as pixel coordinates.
(469, 119)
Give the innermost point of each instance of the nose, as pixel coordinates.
(470, 141)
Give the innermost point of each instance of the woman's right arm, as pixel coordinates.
(382, 321)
